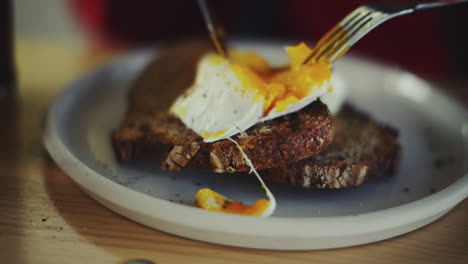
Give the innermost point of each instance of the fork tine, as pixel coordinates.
(327, 38)
(348, 30)
(320, 44)
(339, 48)
(334, 31)
(359, 22)
(336, 46)
(329, 35)
(326, 47)
(336, 34)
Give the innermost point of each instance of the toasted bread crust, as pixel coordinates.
(274, 143)
(271, 144)
(362, 151)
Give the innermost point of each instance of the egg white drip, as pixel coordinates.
(271, 208)
(218, 104)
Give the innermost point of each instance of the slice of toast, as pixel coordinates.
(282, 149)
(270, 144)
(362, 150)
(149, 131)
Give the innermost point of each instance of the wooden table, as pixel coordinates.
(46, 218)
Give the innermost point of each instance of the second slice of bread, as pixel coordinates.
(362, 150)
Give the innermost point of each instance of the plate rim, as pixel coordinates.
(261, 229)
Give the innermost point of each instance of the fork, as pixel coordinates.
(361, 21)
(215, 28)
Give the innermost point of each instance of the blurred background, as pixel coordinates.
(429, 43)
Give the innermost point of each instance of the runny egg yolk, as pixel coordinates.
(280, 87)
(217, 134)
(213, 201)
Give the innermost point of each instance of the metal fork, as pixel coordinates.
(215, 28)
(361, 21)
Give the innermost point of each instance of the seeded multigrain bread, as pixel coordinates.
(150, 132)
(293, 149)
(362, 150)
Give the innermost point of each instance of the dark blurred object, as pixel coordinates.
(8, 101)
(431, 43)
(140, 22)
(7, 70)
(455, 25)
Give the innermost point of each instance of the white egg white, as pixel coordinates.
(217, 106)
(216, 102)
(336, 97)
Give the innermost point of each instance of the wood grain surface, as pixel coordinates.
(46, 218)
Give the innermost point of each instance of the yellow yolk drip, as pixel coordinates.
(214, 134)
(280, 87)
(213, 201)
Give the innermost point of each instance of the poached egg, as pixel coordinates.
(229, 96)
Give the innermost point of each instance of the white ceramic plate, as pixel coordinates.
(432, 179)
